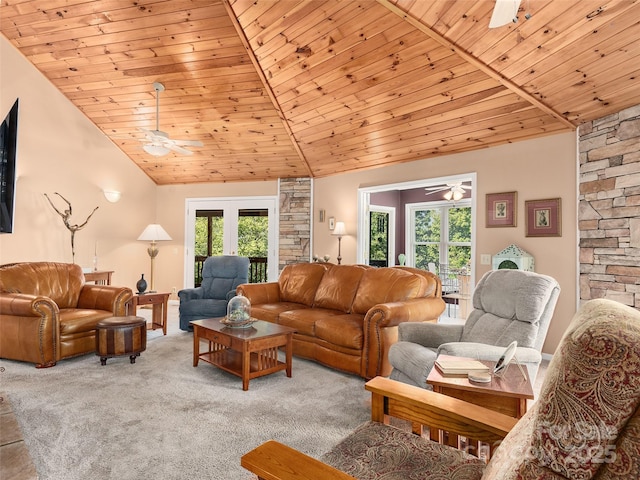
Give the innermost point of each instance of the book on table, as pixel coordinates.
(460, 366)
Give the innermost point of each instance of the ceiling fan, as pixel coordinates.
(454, 191)
(158, 142)
(505, 12)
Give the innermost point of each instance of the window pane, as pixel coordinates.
(460, 224)
(379, 239)
(459, 257)
(426, 254)
(427, 226)
(253, 232)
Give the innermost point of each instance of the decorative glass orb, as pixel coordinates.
(239, 309)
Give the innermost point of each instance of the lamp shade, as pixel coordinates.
(339, 230)
(154, 233)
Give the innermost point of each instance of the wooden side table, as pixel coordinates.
(507, 394)
(100, 277)
(159, 303)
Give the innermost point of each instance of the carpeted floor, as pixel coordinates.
(161, 418)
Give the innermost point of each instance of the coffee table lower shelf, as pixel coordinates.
(231, 361)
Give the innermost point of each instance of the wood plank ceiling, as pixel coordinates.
(318, 87)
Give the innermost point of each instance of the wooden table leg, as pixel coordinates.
(246, 365)
(289, 354)
(196, 346)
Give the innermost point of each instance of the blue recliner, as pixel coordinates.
(220, 277)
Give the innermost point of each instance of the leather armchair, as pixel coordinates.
(508, 305)
(220, 277)
(585, 425)
(48, 313)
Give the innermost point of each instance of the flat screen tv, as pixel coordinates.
(8, 141)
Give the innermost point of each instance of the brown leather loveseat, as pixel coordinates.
(47, 313)
(346, 316)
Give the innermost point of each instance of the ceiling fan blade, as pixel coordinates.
(504, 12)
(178, 149)
(436, 190)
(187, 143)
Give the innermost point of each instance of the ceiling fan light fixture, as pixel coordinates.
(156, 150)
(504, 12)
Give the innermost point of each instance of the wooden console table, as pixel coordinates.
(100, 277)
(159, 303)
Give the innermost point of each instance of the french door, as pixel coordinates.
(231, 226)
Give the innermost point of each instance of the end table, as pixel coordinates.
(159, 303)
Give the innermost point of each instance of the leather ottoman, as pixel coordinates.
(121, 336)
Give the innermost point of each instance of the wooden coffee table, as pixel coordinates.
(246, 352)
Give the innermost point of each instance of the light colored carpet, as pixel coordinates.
(161, 418)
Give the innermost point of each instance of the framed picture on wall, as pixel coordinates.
(501, 209)
(543, 218)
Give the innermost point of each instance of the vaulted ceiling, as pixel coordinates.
(293, 88)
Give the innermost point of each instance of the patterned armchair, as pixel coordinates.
(585, 425)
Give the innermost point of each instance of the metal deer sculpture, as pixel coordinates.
(67, 223)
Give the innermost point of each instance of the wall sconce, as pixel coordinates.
(339, 231)
(112, 195)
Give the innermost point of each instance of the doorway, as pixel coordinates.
(231, 226)
(402, 196)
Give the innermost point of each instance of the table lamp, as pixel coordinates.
(153, 233)
(339, 231)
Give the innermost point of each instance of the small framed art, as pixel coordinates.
(501, 209)
(544, 218)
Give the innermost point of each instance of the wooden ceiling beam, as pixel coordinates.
(267, 87)
(475, 62)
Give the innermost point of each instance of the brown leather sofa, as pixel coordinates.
(47, 313)
(346, 316)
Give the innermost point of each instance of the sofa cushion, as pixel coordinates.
(74, 320)
(304, 320)
(377, 451)
(343, 330)
(299, 282)
(338, 287)
(270, 312)
(382, 285)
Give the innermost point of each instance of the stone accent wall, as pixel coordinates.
(295, 220)
(609, 209)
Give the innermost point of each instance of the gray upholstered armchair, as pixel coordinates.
(220, 277)
(508, 305)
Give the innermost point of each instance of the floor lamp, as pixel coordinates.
(153, 233)
(339, 231)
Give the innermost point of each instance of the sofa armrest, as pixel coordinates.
(430, 335)
(435, 410)
(259, 293)
(275, 461)
(105, 297)
(380, 330)
(187, 294)
(29, 329)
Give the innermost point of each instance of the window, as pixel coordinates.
(440, 236)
